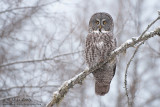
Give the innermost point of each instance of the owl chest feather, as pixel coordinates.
(99, 43)
(98, 47)
(102, 42)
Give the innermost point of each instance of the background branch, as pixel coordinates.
(128, 64)
(27, 7)
(126, 71)
(38, 60)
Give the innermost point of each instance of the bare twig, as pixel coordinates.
(126, 71)
(60, 93)
(29, 86)
(38, 60)
(27, 7)
(150, 25)
(128, 64)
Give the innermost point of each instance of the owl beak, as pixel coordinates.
(100, 28)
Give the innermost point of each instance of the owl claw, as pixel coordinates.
(102, 60)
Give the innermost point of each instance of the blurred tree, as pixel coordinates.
(41, 45)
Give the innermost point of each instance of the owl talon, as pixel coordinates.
(102, 60)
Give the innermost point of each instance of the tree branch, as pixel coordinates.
(38, 60)
(126, 71)
(28, 86)
(60, 93)
(27, 7)
(128, 64)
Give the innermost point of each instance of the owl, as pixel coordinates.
(99, 44)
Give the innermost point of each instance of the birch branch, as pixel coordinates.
(126, 71)
(62, 91)
(128, 64)
(38, 60)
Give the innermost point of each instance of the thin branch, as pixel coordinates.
(128, 64)
(62, 91)
(126, 71)
(38, 60)
(31, 86)
(150, 25)
(27, 7)
(150, 100)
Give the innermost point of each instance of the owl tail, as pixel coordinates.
(101, 89)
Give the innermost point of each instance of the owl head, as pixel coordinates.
(101, 22)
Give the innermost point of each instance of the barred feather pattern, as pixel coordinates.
(98, 48)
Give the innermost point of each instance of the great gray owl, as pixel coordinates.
(99, 44)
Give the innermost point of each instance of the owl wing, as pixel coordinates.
(91, 50)
(88, 49)
(114, 66)
(115, 43)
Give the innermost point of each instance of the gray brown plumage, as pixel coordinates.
(99, 44)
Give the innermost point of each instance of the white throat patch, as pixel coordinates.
(97, 31)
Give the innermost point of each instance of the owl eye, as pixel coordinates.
(97, 22)
(104, 22)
